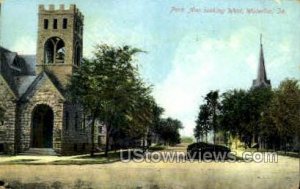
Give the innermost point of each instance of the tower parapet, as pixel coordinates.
(61, 9)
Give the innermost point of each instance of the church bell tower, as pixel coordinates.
(59, 43)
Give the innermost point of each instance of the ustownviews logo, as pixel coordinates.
(140, 156)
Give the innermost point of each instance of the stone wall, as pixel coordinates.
(76, 133)
(7, 127)
(46, 94)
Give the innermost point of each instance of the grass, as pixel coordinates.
(99, 158)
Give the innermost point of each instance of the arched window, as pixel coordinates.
(77, 60)
(54, 50)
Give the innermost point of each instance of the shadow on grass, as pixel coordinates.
(22, 160)
(98, 158)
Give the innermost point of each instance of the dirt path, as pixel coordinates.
(284, 174)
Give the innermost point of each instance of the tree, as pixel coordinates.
(109, 88)
(258, 102)
(169, 129)
(134, 122)
(241, 112)
(202, 123)
(154, 129)
(212, 101)
(284, 111)
(233, 111)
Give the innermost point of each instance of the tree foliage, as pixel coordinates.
(271, 115)
(169, 131)
(207, 119)
(283, 114)
(110, 89)
(202, 123)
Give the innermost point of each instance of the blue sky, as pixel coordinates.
(188, 54)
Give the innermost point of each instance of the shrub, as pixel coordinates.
(203, 150)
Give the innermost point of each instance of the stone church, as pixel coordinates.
(38, 115)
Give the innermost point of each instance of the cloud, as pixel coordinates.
(201, 66)
(102, 30)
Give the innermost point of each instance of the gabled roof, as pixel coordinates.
(10, 58)
(28, 64)
(17, 70)
(23, 83)
(8, 87)
(37, 83)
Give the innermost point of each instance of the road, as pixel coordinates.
(281, 175)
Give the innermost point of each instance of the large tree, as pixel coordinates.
(233, 111)
(109, 88)
(154, 129)
(284, 111)
(169, 129)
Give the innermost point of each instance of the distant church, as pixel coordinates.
(32, 89)
(261, 81)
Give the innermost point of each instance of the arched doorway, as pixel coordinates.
(42, 127)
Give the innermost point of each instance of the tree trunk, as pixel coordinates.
(214, 139)
(93, 134)
(108, 130)
(107, 140)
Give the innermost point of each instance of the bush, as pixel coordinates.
(157, 148)
(204, 151)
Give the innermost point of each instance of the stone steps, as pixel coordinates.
(40, 152)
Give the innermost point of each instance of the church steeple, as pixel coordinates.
(261, 80)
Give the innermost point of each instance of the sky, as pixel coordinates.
(192, 46)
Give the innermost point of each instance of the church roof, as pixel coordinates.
(19, 73)
(31, 84)
(28, 64)
(17, 70)
(20, 64)
(261, 80)
(23, 83)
